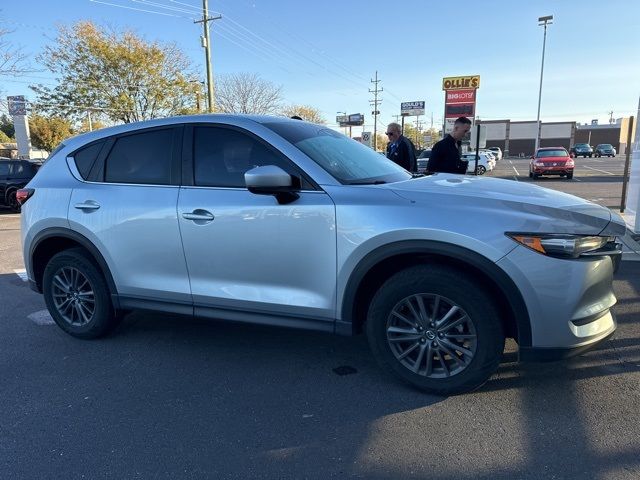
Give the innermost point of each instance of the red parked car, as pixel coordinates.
(551, 161)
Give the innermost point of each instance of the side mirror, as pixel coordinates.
(272, 180)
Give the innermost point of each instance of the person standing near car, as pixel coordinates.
(445, 155)
(400, 149)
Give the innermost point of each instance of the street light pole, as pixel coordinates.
(544, 22)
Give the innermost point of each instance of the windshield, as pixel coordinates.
(552, 153)
(345, 159)
(582, 145)
(605, 145)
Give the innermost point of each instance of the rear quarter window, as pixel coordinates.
(85, 158)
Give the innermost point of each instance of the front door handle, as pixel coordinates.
(199, 216)
(88, 205)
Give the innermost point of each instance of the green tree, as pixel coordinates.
(48, 132)
(6, 126)
(306, 112)
(247, 93)
(4, 138)
(381, 142)
(119, 74)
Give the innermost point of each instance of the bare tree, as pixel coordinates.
(247, 93)
(13, 61)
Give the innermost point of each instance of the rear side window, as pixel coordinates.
(85, 158)
(143, 158)
(4, 169)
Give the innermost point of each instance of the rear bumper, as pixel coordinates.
(604, 325)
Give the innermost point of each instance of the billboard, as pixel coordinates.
(408, 109)
(459, 83)
(17, 105)
(353, 120)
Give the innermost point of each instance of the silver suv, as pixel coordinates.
(281, 222)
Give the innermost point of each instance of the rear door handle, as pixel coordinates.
(198, 216)
(88, 205)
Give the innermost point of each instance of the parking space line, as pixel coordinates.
(41, 317)
(597, 170)
(22, 274)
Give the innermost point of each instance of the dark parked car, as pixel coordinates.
(605, 149)
(14, 175)
(581, 149)
(423, 160)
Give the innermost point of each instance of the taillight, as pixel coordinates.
(24, 194)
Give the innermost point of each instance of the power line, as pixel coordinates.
(138, 9)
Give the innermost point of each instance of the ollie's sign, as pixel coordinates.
(459, 83)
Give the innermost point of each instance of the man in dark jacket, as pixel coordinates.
(400, 149)
(445, 155)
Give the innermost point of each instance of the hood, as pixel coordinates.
(523, 201)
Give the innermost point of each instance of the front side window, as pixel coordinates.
(4, 169)
(221, 157)
(347, 160)
(142, 158)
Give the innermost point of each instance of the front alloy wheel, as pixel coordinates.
(431, 336)
(436, 328)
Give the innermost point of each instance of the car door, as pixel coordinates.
(126, 205)
(250, 258)
(5, 168)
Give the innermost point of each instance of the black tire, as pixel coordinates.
(536, 176)
(530, 174)
(93, 311)
(569, 176)
(590, 155)
(479, 319)
(12, 201)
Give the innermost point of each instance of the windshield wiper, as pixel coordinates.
(370, 182)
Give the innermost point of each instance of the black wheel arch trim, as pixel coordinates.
(457, 253)
(58, 232)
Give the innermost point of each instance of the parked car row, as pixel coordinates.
(586, 150)
(486, 162)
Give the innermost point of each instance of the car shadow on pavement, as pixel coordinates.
(173, 396)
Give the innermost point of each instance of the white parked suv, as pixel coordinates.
(282, 222)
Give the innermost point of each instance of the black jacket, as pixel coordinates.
(445, 157)
(404, 154)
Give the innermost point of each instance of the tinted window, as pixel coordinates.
(222, 156)
(4, 169)
(141, 158)
(551, 153)
(86, 157)
(18, 169)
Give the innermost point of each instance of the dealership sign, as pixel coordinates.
(459, 83)
(409, 109)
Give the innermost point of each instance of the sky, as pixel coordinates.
(325, 54)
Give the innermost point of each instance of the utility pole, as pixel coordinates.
(89, 118)
(542, 21)
(375, 102)
(206, 43)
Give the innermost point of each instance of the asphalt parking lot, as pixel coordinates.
(174, 397)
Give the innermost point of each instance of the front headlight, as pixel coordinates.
(563, 246)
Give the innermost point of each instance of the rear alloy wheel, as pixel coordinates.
(481, 170)
(432, 327)
(77, 295)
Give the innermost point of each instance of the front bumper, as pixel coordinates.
(569, 301)
(605, 325)
(552, 170)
